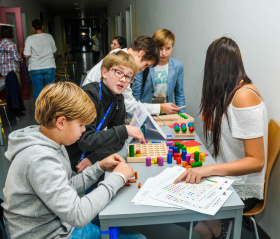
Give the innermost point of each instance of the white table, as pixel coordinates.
(122, 212)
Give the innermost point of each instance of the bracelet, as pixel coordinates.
(122, 176)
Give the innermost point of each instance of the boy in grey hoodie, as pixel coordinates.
(41, 199)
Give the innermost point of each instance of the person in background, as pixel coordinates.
(40, 49)
(164, 82)
(118, 42)
(146, 53)
(96, 46)
(236, 123)
(9, 67)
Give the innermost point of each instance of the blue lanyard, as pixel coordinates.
(103, 119)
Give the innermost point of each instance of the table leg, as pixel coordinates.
(191, 227)
(237, 223)
(104, 226)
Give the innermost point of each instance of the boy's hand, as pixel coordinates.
(169, 108)
(110, 162)
(124, 169)
(136, 133)
(83, 165)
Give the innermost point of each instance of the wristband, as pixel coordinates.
(122, 176)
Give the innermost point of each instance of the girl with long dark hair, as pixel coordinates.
(235, 123)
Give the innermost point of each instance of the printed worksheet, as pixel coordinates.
(211, 208)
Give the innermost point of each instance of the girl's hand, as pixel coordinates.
(194, 175)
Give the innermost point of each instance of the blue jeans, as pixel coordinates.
(38, 78)
(91, 231)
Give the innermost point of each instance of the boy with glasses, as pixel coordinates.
(117, 70)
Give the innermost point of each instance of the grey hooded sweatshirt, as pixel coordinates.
(41, 199)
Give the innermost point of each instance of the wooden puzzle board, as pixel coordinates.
(148, 150)
(181, 134)
(167, 120)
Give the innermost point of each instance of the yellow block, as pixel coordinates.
(191, 150)
(202, 157)
(152, 162)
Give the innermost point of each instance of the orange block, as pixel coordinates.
(188, 166)
(139, 185)
(136, 175)
(184, 164)
(127, 184)
(131, 181)
(193, 161)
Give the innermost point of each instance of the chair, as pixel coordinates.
(3, 103)
(66, 62)
(272, 153)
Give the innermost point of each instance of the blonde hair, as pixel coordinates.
(163, 37)
(120, 58)
(64, 99)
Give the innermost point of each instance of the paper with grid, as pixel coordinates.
(158, 191)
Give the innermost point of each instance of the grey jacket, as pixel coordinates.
(41, 199)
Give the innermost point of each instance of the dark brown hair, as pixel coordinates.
(121, 41)
(7, 32)
(148, 45)
(223, 72)
(37, 24)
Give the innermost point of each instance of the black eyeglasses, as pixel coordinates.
(120, 74)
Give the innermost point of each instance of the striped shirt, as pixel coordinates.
(9, 56)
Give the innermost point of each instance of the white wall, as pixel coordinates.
(253, 24)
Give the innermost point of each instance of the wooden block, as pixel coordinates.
(171, 119)
(135, 174)
(131, 181)
(182, 134)
(148, 150)
(139, 185)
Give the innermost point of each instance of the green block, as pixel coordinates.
(131, 150)
(196, 156)
(196, 164)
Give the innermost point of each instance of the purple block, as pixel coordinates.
(148, 161)
(170, 151)
(160, 161)
(188, 158)
(168, 143)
